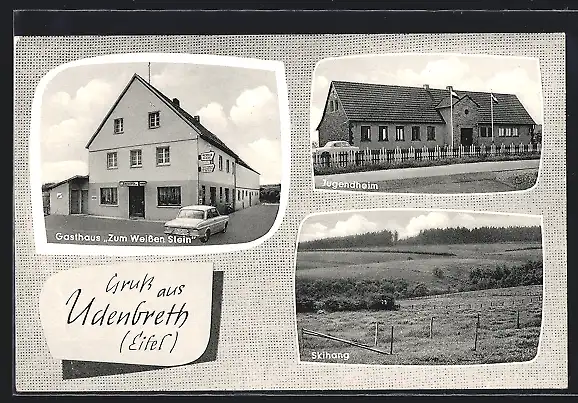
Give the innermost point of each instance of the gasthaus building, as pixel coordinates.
(149, 157)
(375, 116)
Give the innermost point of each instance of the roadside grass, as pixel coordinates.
(324, 170)
(453, 334)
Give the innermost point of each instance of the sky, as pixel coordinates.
(407, 223)
(504, 74)
(239, 105)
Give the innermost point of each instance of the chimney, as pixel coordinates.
(426, 87)
(197, 118)
(176, 102)
(449, 88)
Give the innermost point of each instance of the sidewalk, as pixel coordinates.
(423, 172)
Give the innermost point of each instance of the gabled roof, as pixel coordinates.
(53, 185)
(393, 103)
(204, 133)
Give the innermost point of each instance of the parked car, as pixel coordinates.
(197, 222)
(335, 146)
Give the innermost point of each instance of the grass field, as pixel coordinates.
(454, 323)
(414, 263)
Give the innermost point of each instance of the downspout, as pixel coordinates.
(198, 174)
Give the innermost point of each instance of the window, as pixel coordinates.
(399, 133)
(220, 162)
(169, 196)
(221, 194)
(228, 166)
(383, 135)
(109, 196)
(501, 131)
(233, 166)
(490, 134)
(483, 131)
(111, 160)
(118, 126)
(333, 105)
(135, 158)
(415, 133)
(466, 111)
(238, 194)
(226, 195)
(163, 156)
(154, 120)
(431, 133)
(365, 133)
(515, 132)
(508, 132)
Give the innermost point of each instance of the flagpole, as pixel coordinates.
(452, 117)
(492, 113)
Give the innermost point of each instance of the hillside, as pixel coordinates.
(452, 342)
(441, 268)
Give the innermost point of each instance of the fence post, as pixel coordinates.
(391, 342)
(476, 335)
(518, 319)
(375, 339)
(431, 327)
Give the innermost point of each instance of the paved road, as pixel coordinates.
(421, 172)
(479, 177)
(244, 226)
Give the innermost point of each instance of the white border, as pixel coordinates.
(422, 367)
(441, 54)
(44, 247)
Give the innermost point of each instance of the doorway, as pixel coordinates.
(467, 136)
(213, 196)
(84, 201)
(136, 201)
(75, 201)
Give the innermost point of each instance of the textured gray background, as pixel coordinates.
(258, 345)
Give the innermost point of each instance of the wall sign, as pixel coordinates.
(207, 168)
(207, 156)
(132, 183)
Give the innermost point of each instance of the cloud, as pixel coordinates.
(264, 156)
(355, 224)
(213, 117)
(59, 171)
(432, 220)
(253, 107)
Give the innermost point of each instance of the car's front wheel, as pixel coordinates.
(205, 238)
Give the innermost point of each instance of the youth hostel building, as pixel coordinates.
(149, 157)
(375, 116)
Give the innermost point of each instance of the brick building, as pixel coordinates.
(373, 116)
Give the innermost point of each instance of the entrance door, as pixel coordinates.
(136, 201)
(213, 196)
(84, 202)
(74, 201)
(467, 136)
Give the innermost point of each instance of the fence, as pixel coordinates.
(433, 329)
(332, 159)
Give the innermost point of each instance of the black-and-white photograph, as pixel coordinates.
(160, 153)
(426, 123)
(419, 287)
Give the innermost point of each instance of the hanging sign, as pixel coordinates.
(207, 156)
(207, 168)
